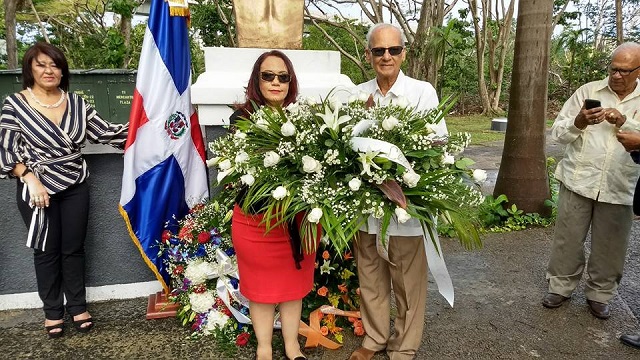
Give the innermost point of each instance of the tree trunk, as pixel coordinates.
(523, 172)
(10, 28)
(495, 48)
(125, 30)
(423, 63)
(619, 34)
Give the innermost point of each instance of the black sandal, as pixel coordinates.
(55, 334)
(83, 329)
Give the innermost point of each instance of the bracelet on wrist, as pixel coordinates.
(24, 173)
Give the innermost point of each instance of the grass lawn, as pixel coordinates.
(479, 126)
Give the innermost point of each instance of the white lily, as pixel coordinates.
(332, 119)
(367, 162)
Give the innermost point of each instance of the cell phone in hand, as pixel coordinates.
(591, 103)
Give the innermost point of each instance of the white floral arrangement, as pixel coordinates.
(340, 163)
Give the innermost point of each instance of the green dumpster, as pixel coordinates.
(110, 91)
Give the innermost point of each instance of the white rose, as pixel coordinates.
(402, 102)
(288, 129)
(363, 96)
(240, 135)
(280, 193)
(389, 123)
(225, 165)
(402, 215)
(352, 98)
(293, 108)
(310, 164)
(354, 184)
(315, 215)
(213, 161)
(448, 159)
(262, 124)
(247, 179)
(271, 158)
(479, 175)
(411, 178)
(241, 157)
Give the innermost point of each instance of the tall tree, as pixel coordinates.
(619, 33)
(523, 171)
(10, 8)
(424, 59)
(492, 27)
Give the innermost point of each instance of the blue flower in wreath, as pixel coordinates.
(230, 252)
(216, 240)
(234, 282)
(174, 241)
(202, 251)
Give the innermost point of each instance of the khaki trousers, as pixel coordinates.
(610, 228)
(409, 280)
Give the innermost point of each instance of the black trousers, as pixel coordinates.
(60, 267)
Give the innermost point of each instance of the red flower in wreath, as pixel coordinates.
(204, 237)
(243, 339)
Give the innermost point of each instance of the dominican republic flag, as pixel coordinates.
(164, 158)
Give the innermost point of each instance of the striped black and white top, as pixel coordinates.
(52, 152)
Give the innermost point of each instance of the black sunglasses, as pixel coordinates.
(269, 77)
(393, 51)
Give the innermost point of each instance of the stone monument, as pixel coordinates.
(262, 25)
(269, 23)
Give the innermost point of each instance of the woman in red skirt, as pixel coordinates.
(273, 269)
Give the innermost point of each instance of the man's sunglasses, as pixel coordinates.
(393, 51)
(269, 77)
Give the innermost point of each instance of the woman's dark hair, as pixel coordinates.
(54, 53)
(253, 93)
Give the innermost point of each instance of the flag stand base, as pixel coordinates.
(159, 306)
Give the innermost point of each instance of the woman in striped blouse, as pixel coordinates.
(42, 129)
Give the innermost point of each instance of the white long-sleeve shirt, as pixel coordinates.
(595, 165)
(422, 96)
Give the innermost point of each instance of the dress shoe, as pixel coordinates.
(362, 354)
(599, 310)
(553, 301)
(631, 340)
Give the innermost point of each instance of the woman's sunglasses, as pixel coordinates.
(269, 76)
(393, 51)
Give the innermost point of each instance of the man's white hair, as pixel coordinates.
(377, 26)
(630, 46)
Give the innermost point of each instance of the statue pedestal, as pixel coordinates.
(227, 74)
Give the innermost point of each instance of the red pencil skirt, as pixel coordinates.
(266, 266)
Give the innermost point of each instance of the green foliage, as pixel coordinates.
(314, 39)
(496, 216)
(123, 8)
(206, 19)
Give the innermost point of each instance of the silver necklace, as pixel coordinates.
(52, 106)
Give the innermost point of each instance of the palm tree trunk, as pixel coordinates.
(523, 171)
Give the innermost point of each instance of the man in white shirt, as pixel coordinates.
(408, 275)
(597, 179)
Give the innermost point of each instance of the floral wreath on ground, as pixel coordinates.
(200, 259)
(201, 262)
(340, 163)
